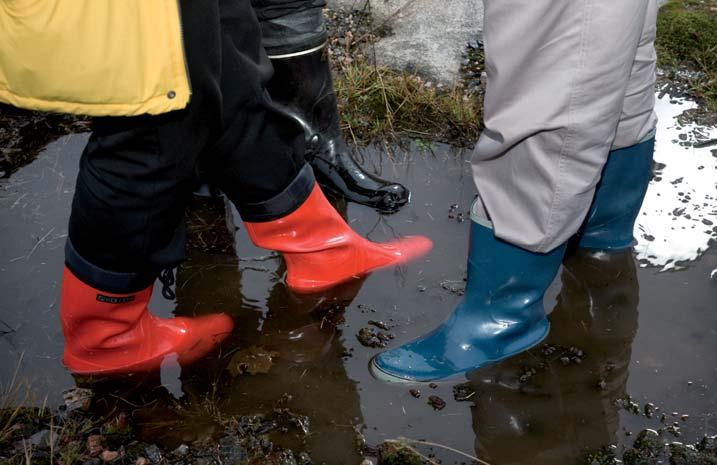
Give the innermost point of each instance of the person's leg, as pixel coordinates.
(294, 36)
(610, 222)
(558, 73)
(126, 224)
(258, 163)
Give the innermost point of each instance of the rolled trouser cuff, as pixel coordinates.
(282, 204)
(105, 280)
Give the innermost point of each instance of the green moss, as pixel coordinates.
(397, 453)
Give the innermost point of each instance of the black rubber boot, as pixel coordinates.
(302, 84)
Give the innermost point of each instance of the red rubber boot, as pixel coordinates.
(115, 333)
(321, 250)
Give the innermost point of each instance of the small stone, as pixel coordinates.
(685, 417)
(44, 439)
(415, 393)
(153, 453)
(181, 450)
(141, 461)
(109, 455)
(367, 462)
(436, 402)
(378, 324)
(77, 399)
(433, 385)
(649, 409)
(94, 445)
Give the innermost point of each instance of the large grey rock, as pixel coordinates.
(429, 36)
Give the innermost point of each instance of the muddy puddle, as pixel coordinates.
(631, 346)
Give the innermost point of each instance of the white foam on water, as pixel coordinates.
(678, 218)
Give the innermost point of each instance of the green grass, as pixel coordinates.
(377, 103)
(687, 37)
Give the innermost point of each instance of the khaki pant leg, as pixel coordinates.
(638, 119)
(558, 72)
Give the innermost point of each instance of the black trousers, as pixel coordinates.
(291, 26)
(137, 173)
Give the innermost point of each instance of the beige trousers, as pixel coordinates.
(567, 81)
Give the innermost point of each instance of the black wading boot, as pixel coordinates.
(302, 84)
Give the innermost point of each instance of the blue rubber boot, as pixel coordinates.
(618, 198)
(501, 314)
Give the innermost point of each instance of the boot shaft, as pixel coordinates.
(100, 320)
(504, 276)
(618, 197)
(303, 84)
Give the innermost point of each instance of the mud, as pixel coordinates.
(624, 327)
(24, 133)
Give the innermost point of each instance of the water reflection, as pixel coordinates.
(555, 402)
(301, 330)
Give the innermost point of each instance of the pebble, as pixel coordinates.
(649, 409)
(436, 402)
(94, 445)
(109, 455)
(141, 461)
(378, 324)
(415, 393)
(153, 453)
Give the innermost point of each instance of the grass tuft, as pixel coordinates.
(687, 39)
(379, 103)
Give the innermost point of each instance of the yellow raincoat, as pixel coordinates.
(93, 57)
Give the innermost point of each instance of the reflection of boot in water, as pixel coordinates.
(301, 329)
(553, 415)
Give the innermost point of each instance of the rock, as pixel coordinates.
(153, 453)
(141, 461)
(379, 324)
(232, 451)
(436, 402)
(44, 439)
(77, 399)
(183, 449)
(109, 455)
(370, 337)
(94, 445)
(415, 393)
(367, 462)
(420, 40)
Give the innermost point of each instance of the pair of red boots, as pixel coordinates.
(115, 333)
